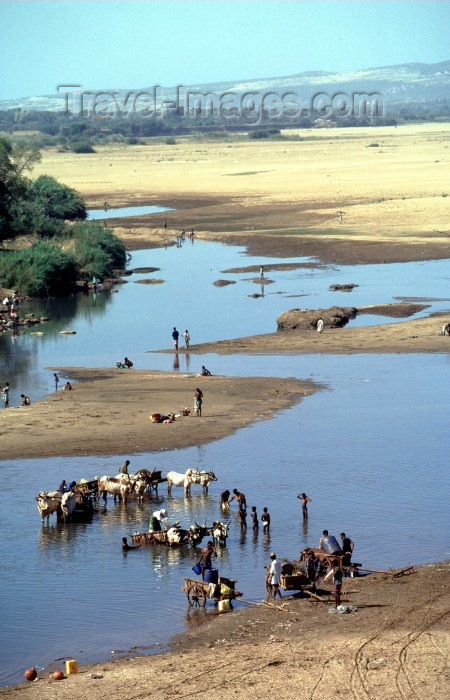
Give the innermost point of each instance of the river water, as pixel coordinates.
(370, 449)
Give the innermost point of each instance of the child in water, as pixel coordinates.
(265, 518)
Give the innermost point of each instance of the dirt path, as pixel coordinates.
(395, 647)
(108, 412)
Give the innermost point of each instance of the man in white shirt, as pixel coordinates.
(275, 575)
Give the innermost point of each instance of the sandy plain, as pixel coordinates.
(281, 198)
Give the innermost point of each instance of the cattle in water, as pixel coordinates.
(201, 477)
(68, 505)
(219, 532)
(175, 535)
(197, 533)
(119, 485)
(49, 503)
(177, 479)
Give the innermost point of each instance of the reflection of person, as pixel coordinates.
(305, 500)
(126, 547)
(275, 575)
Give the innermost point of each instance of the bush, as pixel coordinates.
(56, 200)
(81, 147)
(39, 271)
(97, 250)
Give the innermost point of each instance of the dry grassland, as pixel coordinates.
(395, 192)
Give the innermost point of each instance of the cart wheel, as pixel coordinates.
(196, 596)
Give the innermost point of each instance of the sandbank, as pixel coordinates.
(280, 198)
(416, 335)
(108, 412)
(394, 647)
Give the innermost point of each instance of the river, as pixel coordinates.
(370, 449)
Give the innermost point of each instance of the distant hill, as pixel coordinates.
(400, 85)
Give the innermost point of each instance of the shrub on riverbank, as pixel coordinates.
(97, 250)
(41, 270)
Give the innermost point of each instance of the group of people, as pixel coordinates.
(5, 396)
(176, 337)
(124, 364)
(238, 496)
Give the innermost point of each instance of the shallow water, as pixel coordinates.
(140, 317)
(122, 212)
(370, 449)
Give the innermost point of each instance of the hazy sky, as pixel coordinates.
(113, 43)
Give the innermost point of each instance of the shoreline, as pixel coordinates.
(396, 640)
(413, 336)
(111, 409)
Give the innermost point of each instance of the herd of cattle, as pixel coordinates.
(78, 502)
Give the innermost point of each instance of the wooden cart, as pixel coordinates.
(327, 560)
(153, 478)
(197, 591)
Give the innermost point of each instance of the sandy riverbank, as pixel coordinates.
(394, 647)
(108, 412)
(416, 335)
(281, 198)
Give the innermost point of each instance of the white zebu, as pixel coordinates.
(138, 486)
(201, 477)
(48, 503)
(68, 504)
(119, 485)
(219, 532)
(177, 479)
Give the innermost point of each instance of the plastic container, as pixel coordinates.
(197, 569)
(224, 605)
(331, 546)
(211, 575)
(71, 666)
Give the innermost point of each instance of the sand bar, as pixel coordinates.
(416, 335)
(108, 412)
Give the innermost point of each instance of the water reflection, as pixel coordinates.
(176, 361)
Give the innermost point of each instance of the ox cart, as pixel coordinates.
(327, 560)
(153, 479)
(198, 592)
(145, 538)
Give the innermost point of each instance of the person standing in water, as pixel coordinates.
(305, 500)
(56, 379)
(175, 336)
